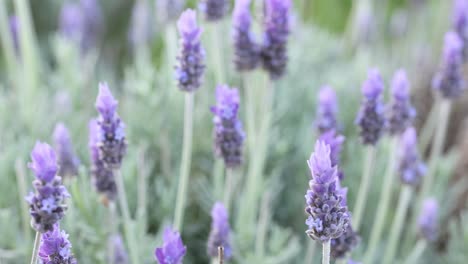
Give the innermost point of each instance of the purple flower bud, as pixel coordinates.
(47, 204)
(410, 167)
(71, 24)
(449, 80)
(67, 160)
(371, 118)
(228, 132)
(110, 135)
(428, 220)
(55, 248)
(173, 249)
(92, 24)
(327, 110)
(220, 229)
(341, 246)
(116, 246)
(102, 176)
(189, 71)
(328, 214)
(274, 52)
(168, 10)
(14, 31)
(246, 50)
(401, 112)
(140, 24)
(214, 10)
(460, 22)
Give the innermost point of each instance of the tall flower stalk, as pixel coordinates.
(220, 233)
(189, 72)
(371, 121)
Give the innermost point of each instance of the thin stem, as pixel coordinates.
(185, 163)
(228, 188)
(37, 243)
(403, 202)
(250, 115)
(364, 186)
(21, 183)
(216, 39)
(262, 226)
(384, 202)
(221, 255)
(113, 227)
(7, 42)
(416, 252)
(218, 175)
(142, 188)
(326, 253)
(122, 196)
(427, 130)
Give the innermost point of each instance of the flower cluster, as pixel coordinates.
(328, 214)
(401, 112)
(371, 117)
(345, 243)
(55, 248)
(67, 160)
(214, 10)
(246, 50)
(460, 23)
(274, 53)
(190, 69)
(427, 222)
(410, 167)
(47, 204)
(327, 110)
(335, 141)
(228, 132)
(449, 80)
(173, 249)
(219, 235)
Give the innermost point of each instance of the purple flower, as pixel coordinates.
(327, 110)
(335, 141)
(328, 214)
(410, 167)
(274, 53)
(140, 24)
(449, 80)
(371, 117)
(92, 24)
(102, 176)
(214, 10)
(428, 220)
(47, 204)
(345, 243)
(220, 229)
(110, 133)
(72, 22)
(246, 50)
(14, 28)
(117, 247)
(67, 160)
(228, 132)
(401, 112)
(189, 71)
(173, 249)
(55, 248)
(460, 22)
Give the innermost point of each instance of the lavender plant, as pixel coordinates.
(173, 250)
(67, 160)
(246, 49)
(214, 10)
(219, 234)
(55, 247)
(327, 109)
(460, 23)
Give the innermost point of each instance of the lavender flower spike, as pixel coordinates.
(274, 53)
(335, 141)
(47, 204)
(345, 243)
(67, 160)
(460, 23)
(246, 50)
(328, 214)
(14, 28)
(220, 229)
(55, 248)
(401, 112)
(410, 167)
(214, 10)
(189, 71)
(449, 80)
(173, 249)
(371, 117)
(327, 110)
(116, 246)
(110, 133)
(71, 24)
(228, 132)
(428, 220)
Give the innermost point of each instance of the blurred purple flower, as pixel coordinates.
(116, 246)
(55, 248)
(275, 38)
(410, 167)
(228, 132)
(328, 214)
(246, 50)
(220, 229)
(460, 22)
(14, 31)
(214, 10)
(449, 80)
(344, 244)
(327, 109)
(140, 24)
(172, 250)
(189, 71)
(401, 112)
(371, 118)
(428, 220)
(67, 160)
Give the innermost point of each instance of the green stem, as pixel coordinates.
(250, 115)
(113, 228)
(310, 251)
(122, 196)
(37, 243)
(185, 163)
(403, 202)
(427, 130)
(416, 252)
(218, 173)
(384, 202)
(326, 253)
(228, 188)
(171, 52)
(364, 186)
(21, 183)
(7, 42)
(142, 188)
(262, 226)
(216, 39)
